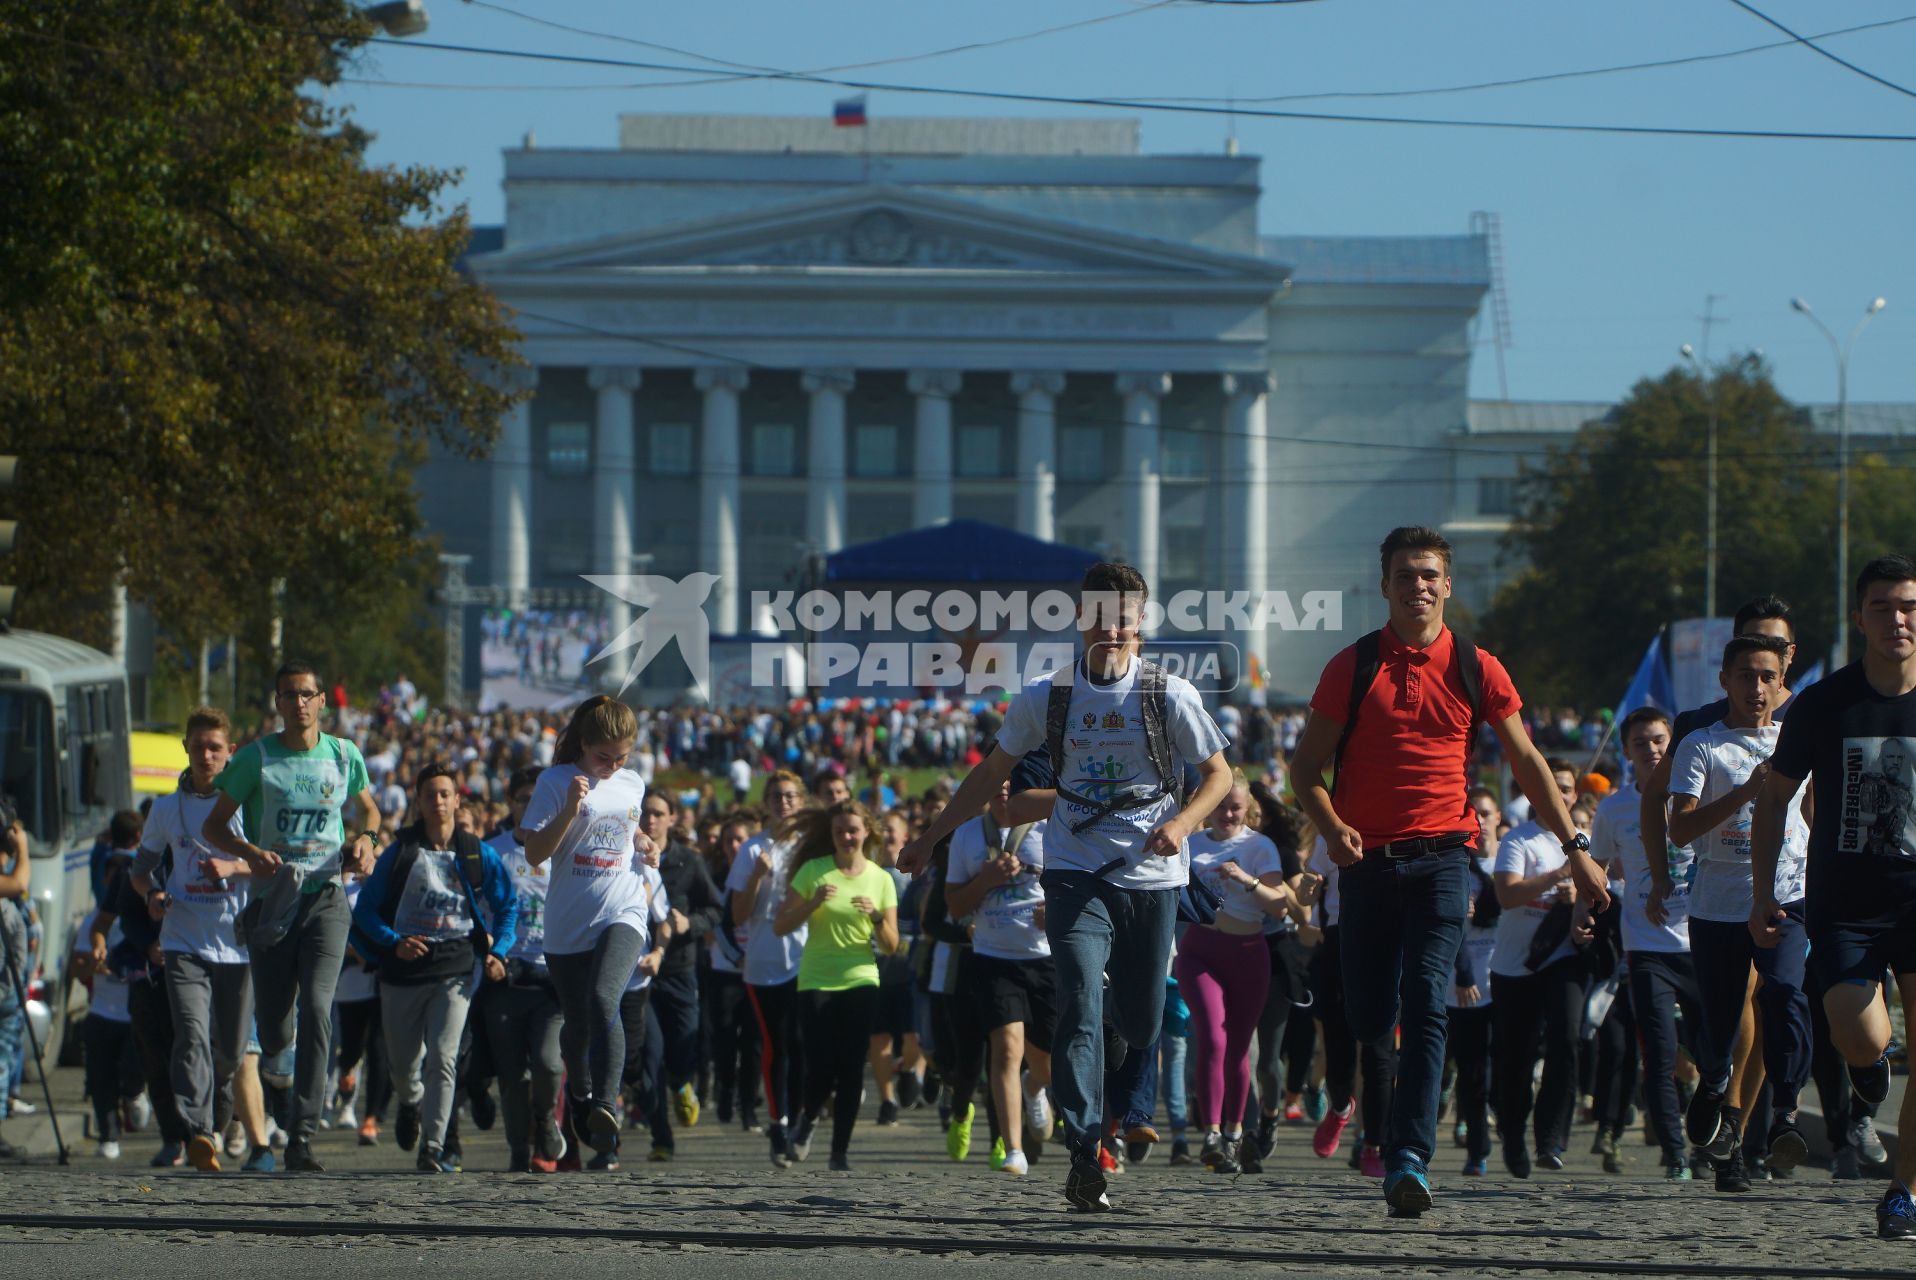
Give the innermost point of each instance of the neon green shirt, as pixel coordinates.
(838, 947)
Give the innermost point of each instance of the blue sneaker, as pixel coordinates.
(1476, 1168)
(1896, 1215)
(261, 1161)
(1317, 1104)
(1406, 1189)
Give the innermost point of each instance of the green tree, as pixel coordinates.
(1613, 528)
(225, 339)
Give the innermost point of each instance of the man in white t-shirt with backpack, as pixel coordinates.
(1119, 732)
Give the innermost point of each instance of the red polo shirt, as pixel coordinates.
(1403, 768)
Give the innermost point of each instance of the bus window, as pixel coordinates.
(29, 770)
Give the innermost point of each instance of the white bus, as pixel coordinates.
(66, 766)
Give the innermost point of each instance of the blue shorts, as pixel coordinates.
(1849, 954)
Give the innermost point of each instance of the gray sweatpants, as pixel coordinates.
(212, 1015)
(423, 1022)
(293, 985)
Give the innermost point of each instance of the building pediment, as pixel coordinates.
(882, 229)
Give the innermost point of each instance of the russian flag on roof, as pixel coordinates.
(849, 113)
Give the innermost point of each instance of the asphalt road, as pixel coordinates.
(720, 1209)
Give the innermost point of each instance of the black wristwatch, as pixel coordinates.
(1579, 843)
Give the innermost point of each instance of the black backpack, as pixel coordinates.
(469, 854)
(1370, 661)
(1151, 682)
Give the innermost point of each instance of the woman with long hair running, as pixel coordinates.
(847, 902)
(584, 820)
(1224, 969)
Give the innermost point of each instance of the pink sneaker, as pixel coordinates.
(1370, 1161)
(1330, 1130)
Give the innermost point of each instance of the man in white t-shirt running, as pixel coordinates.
(1114, 845)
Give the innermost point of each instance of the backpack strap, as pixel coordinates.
(1470, 666)
(1057, 712)
(1157, 735)
(1363, 675)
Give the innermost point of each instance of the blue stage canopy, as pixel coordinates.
(960, 551)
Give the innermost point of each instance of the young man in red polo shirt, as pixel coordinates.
(1400, 827)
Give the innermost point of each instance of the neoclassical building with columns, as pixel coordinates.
(754, 339)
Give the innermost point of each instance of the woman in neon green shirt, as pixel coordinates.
(847, 903)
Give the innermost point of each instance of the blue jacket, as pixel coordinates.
(379, 900)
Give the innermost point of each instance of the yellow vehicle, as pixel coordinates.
(158, 761)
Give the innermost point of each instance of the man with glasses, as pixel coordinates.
(291, 790)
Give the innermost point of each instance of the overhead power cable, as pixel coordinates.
(1809, 42)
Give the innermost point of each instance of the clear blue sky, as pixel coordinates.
(1611, 242)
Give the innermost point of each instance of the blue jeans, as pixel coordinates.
(1096, 928)
(1661, 983)
(1401, 928)
(1172, 1049)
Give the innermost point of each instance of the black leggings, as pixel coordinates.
(1470, 1046)
(112, 1072)
(1289, 960)
(734, 1032)
(1547, 1005)
(783, 1058)
(1342, 1052)
(590, 985)
(838, 1032)
(1616, 1082)
(961, 1045)
(362, 1042)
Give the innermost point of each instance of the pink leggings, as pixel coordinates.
(1224, 978)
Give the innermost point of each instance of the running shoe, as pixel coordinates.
(1869, 1147)
(1703, 1119)
(1896, 1215)
(369, 1131)
(1138, 1152)
(276, 1137)
(887, 1112)
(781, 1150)
(1226, 1161)
(911, 1091)
(1267, 1135)
(261, 1161)
(1108, 1160)
(1015, 1164)
(1037, 1122)
(958, 1133)
(602, 1127)
(1550, 1160)
(688, 1103)
(1727, 1136)
(1249, 1160)
(1330, 1130)
(1317, 1103)
(1407, 1191)
(236, 1143)
(1293, 1112)
(137, 1113)
(108, 1149)
(1213, 1149)
(1460, 1134)
(1084, 1185)
(203, 1153)
(300, 1158)
(1871, 1083)
(999, 1155)
(434, 1160)
(1476, 1168)
(169, 1155)
(1787, 1147)
(1370, 1161)
(1606, 1146)
(839, 1163)
(1845, 1166)
(802, 1138)
(659, 1155)
(550, 1143)
(1517, 1159)
(406, 1128)
(748, 1121)
(1732, 1176)
(1181, 1153)
(944, 1109)
(346, 1117)
(1677, 1173)
(604, 1162)
(21, 1107)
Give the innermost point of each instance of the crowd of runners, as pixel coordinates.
(1106, 944)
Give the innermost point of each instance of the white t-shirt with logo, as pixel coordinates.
(769, 959)
(1252, 851)
(1480, 943)
(596, 881)
(1005, 925)
(432, 903)
(1529, 851)
(201, 912)
(530, 884)
(355, 983)
(1330, 897)
(1616, 838)
(1104, 756)
(1713, 762)
(657, 910)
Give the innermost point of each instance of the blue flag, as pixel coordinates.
(1650, 686)
(1808, 678)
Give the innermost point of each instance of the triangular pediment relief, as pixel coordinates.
(884, 228)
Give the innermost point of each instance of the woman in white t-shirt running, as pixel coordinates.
(1224, 969)
(584, 820)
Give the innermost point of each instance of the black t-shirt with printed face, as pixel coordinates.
(1859, 749)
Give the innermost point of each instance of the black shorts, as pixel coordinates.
(1847, 953)
(1008, 991)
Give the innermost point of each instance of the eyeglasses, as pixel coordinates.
(297, 695)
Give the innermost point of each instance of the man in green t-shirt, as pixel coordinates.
(291, 789)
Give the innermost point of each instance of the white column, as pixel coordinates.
(613, 493)
(718, 490)
(1138, 483)
(931, 445)
(1246, 501)
(512, 495)
(1037, 450)
(825, 496)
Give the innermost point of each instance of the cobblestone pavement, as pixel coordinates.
(719, 1208)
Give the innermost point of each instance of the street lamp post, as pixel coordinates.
(1709, 541)
(1839, 651)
